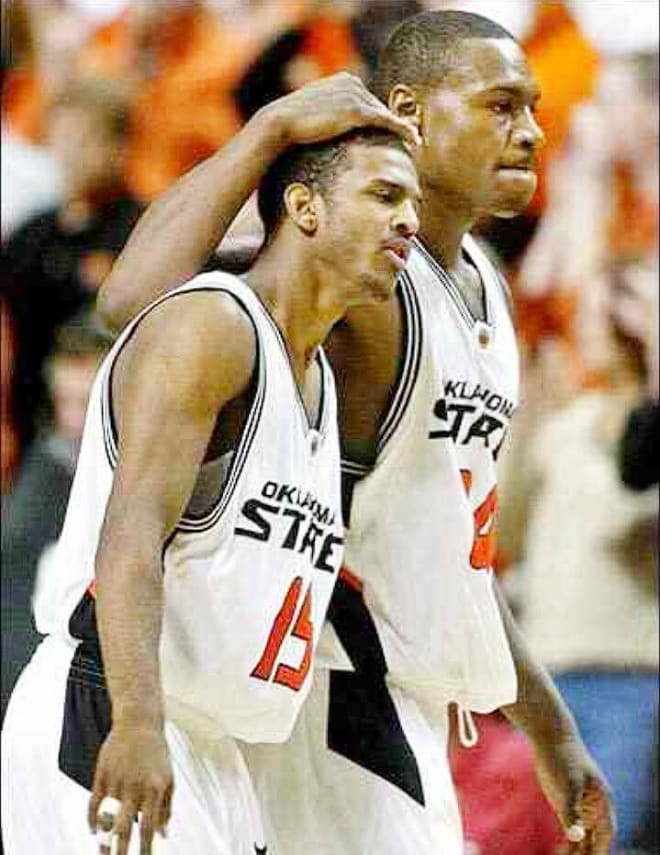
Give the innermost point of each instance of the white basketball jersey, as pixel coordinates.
(421, 535)
(247, 582)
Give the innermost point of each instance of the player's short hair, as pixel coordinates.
(422, 49)
(316, 165)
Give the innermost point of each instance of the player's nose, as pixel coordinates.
(529, 133)
(406, 219)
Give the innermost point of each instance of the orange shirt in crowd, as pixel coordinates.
(566, 67)
(330, 44)
(185, 111)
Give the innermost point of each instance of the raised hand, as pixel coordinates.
(332, 106)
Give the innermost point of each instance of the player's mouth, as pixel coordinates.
(397, 250)
(521, 165)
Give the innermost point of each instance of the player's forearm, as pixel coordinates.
(178, 232)
(539, 711)
(129, 614)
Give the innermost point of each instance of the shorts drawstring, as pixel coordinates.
(467, 729)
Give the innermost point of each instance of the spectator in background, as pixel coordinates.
(588, 577)
(192, 57)
(30, 180)
(32, 515)
(53, 265)
(637, 313)
(556, 48)
(320, 44)
(640, 452)
(372, 24)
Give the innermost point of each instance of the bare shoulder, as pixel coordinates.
(198, 347)
(365, 351)
(369, 340)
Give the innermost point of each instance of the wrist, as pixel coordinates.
(137, 718)
(272, 128)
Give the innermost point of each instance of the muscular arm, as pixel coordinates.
(178, 232)
(188, 358)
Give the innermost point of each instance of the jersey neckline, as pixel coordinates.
(316, 425)
(454, 292)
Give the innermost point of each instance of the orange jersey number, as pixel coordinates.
(482, 554)
(287, 675)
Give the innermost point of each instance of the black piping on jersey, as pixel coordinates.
(453, 290)
(320, 420)
(412, 354)
(351, 473)
(363, 723)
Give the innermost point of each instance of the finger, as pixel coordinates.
(164, 811)
(107, 813)
(381, 116)
(93, 809)
(124, 825)
(148, 823)
(573, 820)
(603, 835)
(105, 841)
(576, 833)
(96, 800)
(146, 834)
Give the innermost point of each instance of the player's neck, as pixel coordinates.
(442, 233)
(302, 309)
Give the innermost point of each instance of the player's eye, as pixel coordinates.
(502, 108)
(384, 194)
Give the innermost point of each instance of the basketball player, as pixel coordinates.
(428, 383)
(203, 535)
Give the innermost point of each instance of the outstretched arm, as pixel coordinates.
(572, 782)
(178, 232)
(166, 408)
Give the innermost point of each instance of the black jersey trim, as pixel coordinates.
(356, 470)
(107, 420)
(453, 290)
(326, 373)
(351, 473)
(412, 353)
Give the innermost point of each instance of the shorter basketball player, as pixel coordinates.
(203, 534)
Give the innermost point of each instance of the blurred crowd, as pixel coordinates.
(106, 102)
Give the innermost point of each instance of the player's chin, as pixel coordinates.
(513, 193)
(377, 287)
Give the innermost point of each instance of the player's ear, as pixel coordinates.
(300, 206)
(405, 104)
